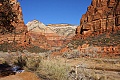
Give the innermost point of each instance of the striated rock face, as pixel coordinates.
(12, 27)
(50, 35)
(101, 16)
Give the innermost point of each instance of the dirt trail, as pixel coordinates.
(21, 76)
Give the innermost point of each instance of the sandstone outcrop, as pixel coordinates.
(12, 27)
(101, 16)
(51, 35)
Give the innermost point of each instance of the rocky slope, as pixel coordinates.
(12, 27)
(47, 36)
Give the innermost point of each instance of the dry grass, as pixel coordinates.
(54, 69)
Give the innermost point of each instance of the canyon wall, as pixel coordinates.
(101, 16)
(12, 27)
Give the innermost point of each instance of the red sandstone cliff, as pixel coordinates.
(101, 16)
(12, 27)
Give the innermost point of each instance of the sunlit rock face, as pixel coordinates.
(36, 26)
(12, 27)
(54, 34)
(101, 16)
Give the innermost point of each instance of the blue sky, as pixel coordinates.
(54, 11)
